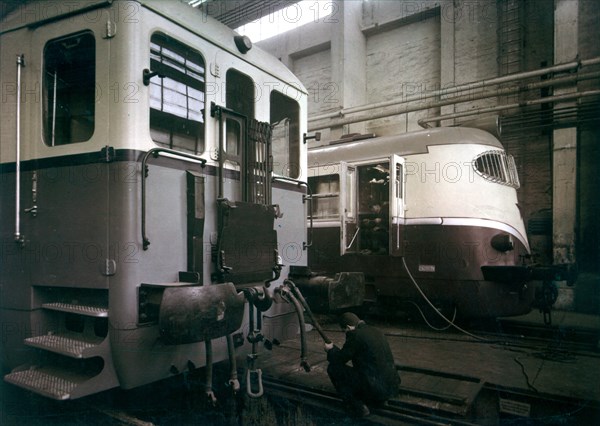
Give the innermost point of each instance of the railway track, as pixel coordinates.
(428, 396)
(392, 413)
(516, 406)
(578, 337)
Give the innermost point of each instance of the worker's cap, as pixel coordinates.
(348, 318)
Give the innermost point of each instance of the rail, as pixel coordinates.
(472, 90)
(18, 237)
(155, 153)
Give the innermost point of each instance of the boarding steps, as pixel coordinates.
(73, 359)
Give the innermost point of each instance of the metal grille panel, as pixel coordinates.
(64, 345)
(46, 384)
(91, 311)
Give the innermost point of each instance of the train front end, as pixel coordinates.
(431, 219)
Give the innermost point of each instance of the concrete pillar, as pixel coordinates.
(447, 51)
(564, 201)
(348, 61)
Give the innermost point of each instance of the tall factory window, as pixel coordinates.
(69, 81)
(177, 101)
(285, 119)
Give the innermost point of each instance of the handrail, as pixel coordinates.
(18, 237)
(353, 238)
(305, 245)
(155, 152)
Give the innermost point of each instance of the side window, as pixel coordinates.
(239, 93)
(398, 181)
(69, 81)
(350, 194)
(177, 101)
(285, 119)
(326, 196)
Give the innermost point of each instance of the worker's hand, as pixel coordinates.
(328, 346)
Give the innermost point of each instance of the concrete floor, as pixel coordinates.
(484, 381)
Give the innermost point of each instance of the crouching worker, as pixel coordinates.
(372, 378)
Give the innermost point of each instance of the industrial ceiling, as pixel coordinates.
(232, 13)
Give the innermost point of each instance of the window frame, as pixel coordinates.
(326, 195)
(292, 166)
(181, 73)
(49, 131)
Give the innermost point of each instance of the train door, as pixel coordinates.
(349, 225)
(247, 241)
(70, 60)
(397, 197)
(373, 208)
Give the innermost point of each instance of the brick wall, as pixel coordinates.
(402, 62)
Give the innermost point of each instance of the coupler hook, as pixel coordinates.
(254, 336)
(548, 297)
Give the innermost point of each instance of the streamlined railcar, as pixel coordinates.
(152, 196)
(430, 215)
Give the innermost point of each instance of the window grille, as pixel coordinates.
(498, 167)
(258, 162)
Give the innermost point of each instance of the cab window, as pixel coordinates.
(239, 98)
(69, 81)
(177, 95)
(285, 119)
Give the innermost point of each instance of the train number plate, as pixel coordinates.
(426, 268)
(516, 408)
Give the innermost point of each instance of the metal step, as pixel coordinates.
(51, 384)
(92, 311)
(70, 345)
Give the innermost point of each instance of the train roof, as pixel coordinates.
(402, 144)
(36, 13)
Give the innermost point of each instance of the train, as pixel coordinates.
(153, 197)
(432, 220)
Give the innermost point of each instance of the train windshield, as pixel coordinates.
(69, 89)
(177, 98)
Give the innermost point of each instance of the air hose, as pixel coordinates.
(287, 294)
(302, 300)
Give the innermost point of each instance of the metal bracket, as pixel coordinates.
(316, 137)
(107, 154)
(148, 74)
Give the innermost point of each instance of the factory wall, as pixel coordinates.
(407, 48)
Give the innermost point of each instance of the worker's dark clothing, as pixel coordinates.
(372, 376)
